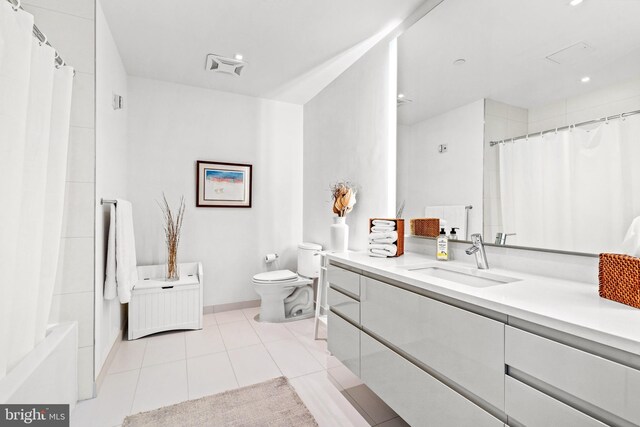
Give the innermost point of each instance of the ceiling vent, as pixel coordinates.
(220, 64)
(571, 54)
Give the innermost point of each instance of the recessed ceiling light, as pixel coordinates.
(460, 61)
(400, 95)
(575, 2)
(585, 79)
(239, 56)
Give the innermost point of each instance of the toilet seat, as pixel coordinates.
(276, 277)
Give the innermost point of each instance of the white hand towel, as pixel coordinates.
(384, 222)
(382, 228)
(110, 285)
(383, 249)
(387, 235)
(126, 264)
(121, 269)
(631, 242)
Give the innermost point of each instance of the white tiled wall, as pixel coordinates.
(70, 27)
(611, 100)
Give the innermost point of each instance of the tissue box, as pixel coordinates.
(619, 277)
(399, 228)
(428, 227)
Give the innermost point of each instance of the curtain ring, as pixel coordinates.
(556, 131)
(17, 6)
(45, 39)
(542, 135)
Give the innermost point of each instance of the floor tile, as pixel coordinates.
(328, 406)
(209, 319)
(210, 374)
(229, 316)
(250, 313)
(344, 377)
(395, 422)
(205, 341)
(271, 331)
(112, 404)
(358, 408)
(301, 327)
(238, 334)
(161, 385)
(292, 358)
(318, 349)
(129, 356)
(371, 403)
(253, 365)
(164, 348)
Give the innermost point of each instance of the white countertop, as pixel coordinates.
(567, 306)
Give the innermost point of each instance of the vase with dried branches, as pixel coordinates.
(344, 198)
(172, 229)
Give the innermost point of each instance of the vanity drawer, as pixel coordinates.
(343, 341)
(532, 408)
(345, 280)
(416, 396)
(344, 305)
(613, 387)
(463, 346)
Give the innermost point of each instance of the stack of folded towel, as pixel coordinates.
(383, 238)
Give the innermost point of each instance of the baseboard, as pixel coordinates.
(231, 306)
(107, 362)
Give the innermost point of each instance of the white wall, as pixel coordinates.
(70, 28)
(350, 134)
(451, 178)
(111, 176)
(172, 126)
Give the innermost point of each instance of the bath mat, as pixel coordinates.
(271, 403)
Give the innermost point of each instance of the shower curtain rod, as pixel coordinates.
(39, 34)
(590, 122)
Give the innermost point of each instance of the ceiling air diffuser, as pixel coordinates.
(221, 64)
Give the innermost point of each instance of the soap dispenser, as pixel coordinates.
(453, 235)
(442, 246)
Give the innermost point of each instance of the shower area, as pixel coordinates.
(38, 351)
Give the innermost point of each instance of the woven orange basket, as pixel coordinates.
(619, 277)
(428, 227)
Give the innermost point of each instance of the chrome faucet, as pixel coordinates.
(478, 249)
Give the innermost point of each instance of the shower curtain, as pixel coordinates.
(575, 190)
(35, 105)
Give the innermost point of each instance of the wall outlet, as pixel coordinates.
(442, 148)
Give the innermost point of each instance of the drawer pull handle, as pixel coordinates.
(167, 287)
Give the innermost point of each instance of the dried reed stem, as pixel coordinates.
(172, 228)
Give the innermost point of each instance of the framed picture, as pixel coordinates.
(223, 185)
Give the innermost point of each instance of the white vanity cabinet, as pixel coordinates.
(343, 321)
(443, 362)
(600, 385)
(465, 347)
(418, 397)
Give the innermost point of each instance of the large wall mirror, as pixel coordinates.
(527, 111)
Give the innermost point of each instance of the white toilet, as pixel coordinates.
(286, 295)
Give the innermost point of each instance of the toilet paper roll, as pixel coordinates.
(270, 258)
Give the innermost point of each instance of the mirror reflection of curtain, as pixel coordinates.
(35, 105)
(577, 190)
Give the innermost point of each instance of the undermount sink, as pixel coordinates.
(464, 276)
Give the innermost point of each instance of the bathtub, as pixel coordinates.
(49, 373)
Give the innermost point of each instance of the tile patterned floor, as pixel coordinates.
(231, 351)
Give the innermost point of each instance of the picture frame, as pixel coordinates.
(223, 185)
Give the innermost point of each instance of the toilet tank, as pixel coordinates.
(309, 260)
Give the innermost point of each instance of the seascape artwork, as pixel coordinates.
(224, 185)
